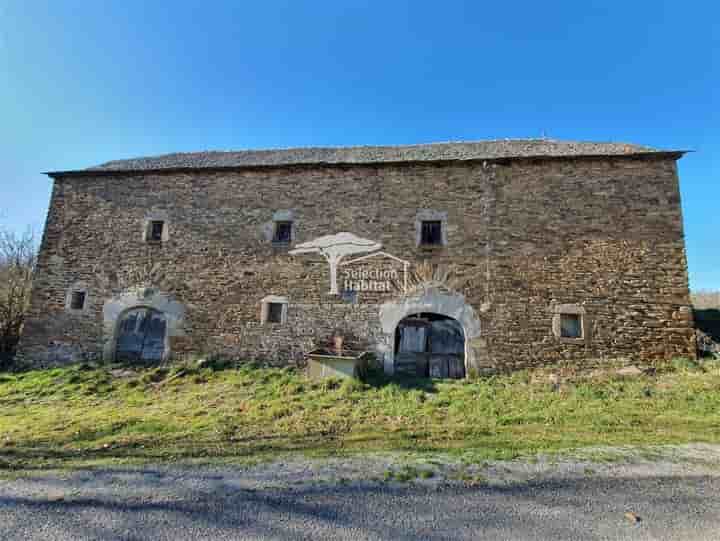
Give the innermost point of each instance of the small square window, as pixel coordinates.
(155, 233)
(77, 300)
(283, 232)
(274, 312)
(349, 296)
(570, 326)
(431, 233)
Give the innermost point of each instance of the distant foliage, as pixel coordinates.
(705, 299)
(18, 253)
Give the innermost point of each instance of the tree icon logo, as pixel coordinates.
(334, 248)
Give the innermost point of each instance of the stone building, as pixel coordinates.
(496, 255)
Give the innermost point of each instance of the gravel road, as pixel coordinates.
(347, 499)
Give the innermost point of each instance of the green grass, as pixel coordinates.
(407, 473)
(83, 416)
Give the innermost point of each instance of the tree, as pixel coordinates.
(333, 248)
(18, 254)
(705, 299)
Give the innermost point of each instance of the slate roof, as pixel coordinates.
(431, 152)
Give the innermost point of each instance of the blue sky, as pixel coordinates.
(86, 82)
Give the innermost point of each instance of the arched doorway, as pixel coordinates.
(135, 297)
(431, 300)
(430, 345)
(141, 335)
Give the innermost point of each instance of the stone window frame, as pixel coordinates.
(153, 235)
(77, 300)
(431, 215)
(560, 310)
(148, 224)
(277, 224)
(265, 309)
(283, 216)
(77, 287)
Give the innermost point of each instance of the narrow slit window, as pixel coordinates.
(570, 326)
(274, 312)
(431, 233)
(156, 230)
(77, 300)
(283, 232)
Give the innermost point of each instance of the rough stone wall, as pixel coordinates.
(523, 237)
(604, 235)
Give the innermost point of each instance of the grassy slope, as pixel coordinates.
(77, 416)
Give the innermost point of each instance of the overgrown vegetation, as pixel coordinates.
(84, 415)
(17, 261)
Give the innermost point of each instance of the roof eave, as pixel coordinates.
(672, 154)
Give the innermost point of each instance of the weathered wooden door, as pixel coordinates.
(447, 349)
(430, 345)
(412, 347)
(141, 336)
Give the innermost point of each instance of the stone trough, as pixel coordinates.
(326, 363)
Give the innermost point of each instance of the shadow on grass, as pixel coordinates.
(377, 378)
(244, 449)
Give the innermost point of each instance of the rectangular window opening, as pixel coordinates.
(570, 326)
(283, 232)
(349, 296)
(77, 301)
(274, 312)
(156, 230)
(431, 233)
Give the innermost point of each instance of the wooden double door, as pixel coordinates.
(430, 345)
(141, 336)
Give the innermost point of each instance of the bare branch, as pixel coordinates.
(18, 255)
(705, 299)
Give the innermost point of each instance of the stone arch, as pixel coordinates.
(141, 297)
(430, 300)
(428, 344)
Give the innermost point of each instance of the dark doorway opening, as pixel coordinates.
(141, 336)
(430, 345)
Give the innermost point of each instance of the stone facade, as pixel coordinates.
(522, 238)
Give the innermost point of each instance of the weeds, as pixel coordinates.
(84, 414)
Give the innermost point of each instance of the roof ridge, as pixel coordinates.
(446, 151)
(369, 147)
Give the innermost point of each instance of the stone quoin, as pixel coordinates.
(538, 251)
